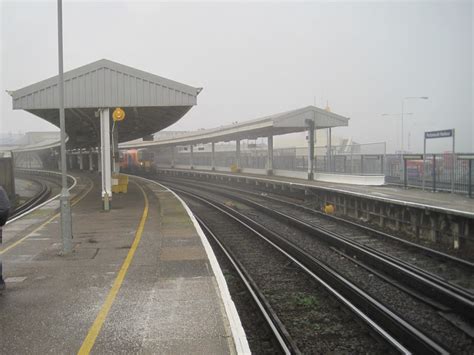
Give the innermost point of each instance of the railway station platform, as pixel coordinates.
(450, 203)
(436, 218)
(141, 279)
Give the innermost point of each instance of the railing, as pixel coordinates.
(438, 171)
(360, 159)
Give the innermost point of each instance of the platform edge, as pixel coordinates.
(237, 330)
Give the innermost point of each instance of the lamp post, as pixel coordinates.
(66, 222)
(403, 109)
(399, 115)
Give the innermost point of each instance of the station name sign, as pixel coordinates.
(412, 156)
(439, 134)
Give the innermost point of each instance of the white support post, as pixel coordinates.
(172, 157)
(91, 161)
(70, 161)
(453, 165)
(99, 160)
(81, 160)
(270, 155)
(213, 156)
(424, 162)
(105, 157)
(116, 153)
(237, 154)
(330, 150)
(310, 124)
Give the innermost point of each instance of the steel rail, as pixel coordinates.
(423, 249)
(287, 344)
(392, 328)
(432, 286)
(37, 199)
(31, 210)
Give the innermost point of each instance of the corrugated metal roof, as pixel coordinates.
(280, 123)
(105, 84)
(150, 102)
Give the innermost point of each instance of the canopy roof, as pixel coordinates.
(280, 123)
(150, 102)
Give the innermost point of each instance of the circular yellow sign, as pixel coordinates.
(119, 114)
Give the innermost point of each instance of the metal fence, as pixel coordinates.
(254, 159)
(358, 159)
(440, 172)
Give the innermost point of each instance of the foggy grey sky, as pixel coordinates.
(255, 59)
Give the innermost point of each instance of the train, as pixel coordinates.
(136, 160)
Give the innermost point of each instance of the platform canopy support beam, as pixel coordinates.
(238, 163)
(99, 160)
(310, 124)
(81, 160)
(213, 156)
(115, 150)
(91, 160)
(191, 157)
(105, 158)
(270, 155)
(172, 156)
(329, 151)
(70, 161)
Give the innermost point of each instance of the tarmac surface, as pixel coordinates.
(139, 280)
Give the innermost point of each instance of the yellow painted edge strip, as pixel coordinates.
(3, 251)
(99, 321)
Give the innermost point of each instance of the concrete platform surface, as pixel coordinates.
(441, 201)
(168, 302)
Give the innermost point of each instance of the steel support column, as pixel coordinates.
(172, 156)
(238, 163)
(329, 151)
(191, 158)
(310, 124)
(81, 160)
(213, 156)
(270, 155)
(65, 201)
(105, 158)
(115, 150)
(71, 166)
(99, 160)
(91, 161)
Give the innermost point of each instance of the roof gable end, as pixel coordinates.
(105, 83)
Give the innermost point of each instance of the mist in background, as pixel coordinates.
(256, 59)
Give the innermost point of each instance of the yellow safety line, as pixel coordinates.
(99, 321)
(3, 251)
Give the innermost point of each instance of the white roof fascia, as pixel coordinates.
(281, 122)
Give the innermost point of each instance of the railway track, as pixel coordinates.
(280, 339)
(419, 274)
(391, 327)
(39, 198)
(50, 185)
